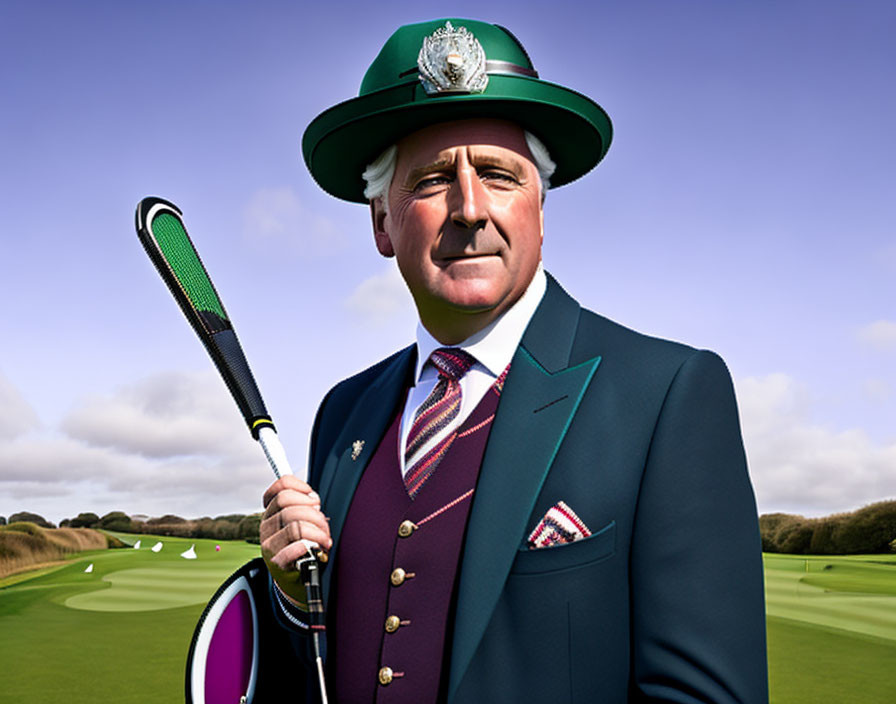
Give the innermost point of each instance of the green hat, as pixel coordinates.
(446, 70)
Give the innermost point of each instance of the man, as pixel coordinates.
(532, 502)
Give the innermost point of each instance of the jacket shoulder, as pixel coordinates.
(638, 359)
(614, 339)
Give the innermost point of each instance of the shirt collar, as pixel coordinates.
(494, 345)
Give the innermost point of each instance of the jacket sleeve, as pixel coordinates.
(698, 609)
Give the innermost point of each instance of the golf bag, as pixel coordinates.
(239, 654)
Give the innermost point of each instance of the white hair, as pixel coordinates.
(543, 162)
(378, 174)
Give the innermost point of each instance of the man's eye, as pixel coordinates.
(499, 176)
(431, 182)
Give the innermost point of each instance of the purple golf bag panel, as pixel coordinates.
(222, 666)
(239, 649)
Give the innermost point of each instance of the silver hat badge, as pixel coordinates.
(452, 61)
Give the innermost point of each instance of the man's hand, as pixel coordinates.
(292, 512)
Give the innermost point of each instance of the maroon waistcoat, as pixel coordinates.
(396, 570)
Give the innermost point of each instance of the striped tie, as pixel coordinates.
(428, 438)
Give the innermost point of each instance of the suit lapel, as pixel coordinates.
(348, 459)
(540, 398)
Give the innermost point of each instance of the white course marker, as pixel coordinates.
(157, 546)
(189, 554)
(89, 568)
(137, 545)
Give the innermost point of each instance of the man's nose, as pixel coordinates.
(469, 206)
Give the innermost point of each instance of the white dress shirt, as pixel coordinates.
(492, 347)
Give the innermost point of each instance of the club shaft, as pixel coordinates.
(320, 671)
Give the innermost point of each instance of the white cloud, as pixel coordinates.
(59, 477)
(172, 443)
(880, 335)
(800, 466)
(162, 416)
(382, 297)
(16, 414)
(277, 216)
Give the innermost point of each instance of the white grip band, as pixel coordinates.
(273, 450)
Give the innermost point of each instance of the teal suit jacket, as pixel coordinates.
(641, 438)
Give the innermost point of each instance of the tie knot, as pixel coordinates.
(451, 362)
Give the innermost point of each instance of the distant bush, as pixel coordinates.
(248, 529)
(774, 527)
(176, 530)
(868, 530)
(116, 520)
(215, 529)
(795, 538)
(84, 520)
(824, 535)
(2, 520)
(231, 526)
(26, 516)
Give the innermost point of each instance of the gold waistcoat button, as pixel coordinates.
(385, 675)
(406, 528)
(392, 624)
(397, 577)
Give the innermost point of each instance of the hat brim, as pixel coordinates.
(340, 143)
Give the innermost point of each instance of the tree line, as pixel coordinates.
(868, 530)
(235, 526)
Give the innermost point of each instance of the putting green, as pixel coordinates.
(850, 594)
(151, 589)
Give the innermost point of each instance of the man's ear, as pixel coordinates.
(380, 236)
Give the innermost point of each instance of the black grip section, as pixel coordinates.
(309, 569)
(226, 352)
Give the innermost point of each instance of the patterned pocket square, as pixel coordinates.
(559, 525)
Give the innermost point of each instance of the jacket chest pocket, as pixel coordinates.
(569, 556)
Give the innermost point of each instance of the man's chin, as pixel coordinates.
(471, 296)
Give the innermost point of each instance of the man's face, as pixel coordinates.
(464, 222)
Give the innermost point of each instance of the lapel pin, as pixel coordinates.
(357, 446)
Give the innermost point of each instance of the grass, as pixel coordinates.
(831, 628)
(117, 634)
(121, 633)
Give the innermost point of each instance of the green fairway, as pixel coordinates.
(121, 632)
(831, 628)
(117, 634)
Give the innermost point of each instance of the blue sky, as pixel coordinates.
(746, 206)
